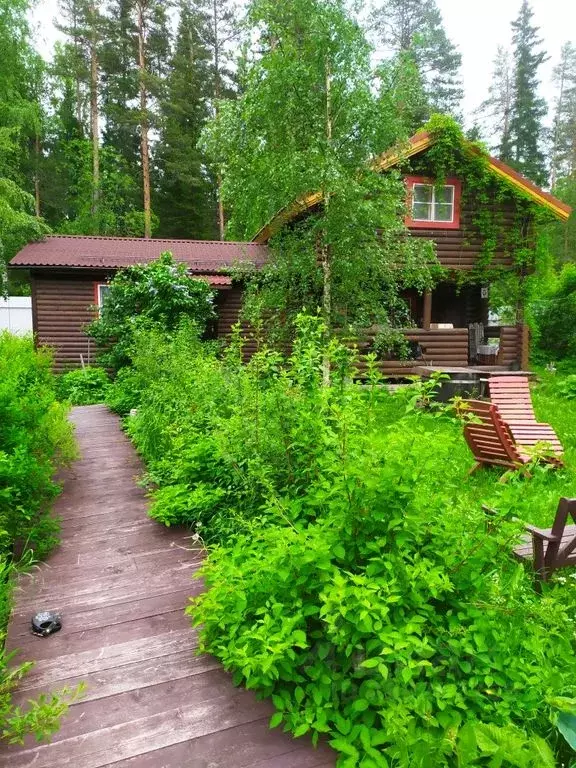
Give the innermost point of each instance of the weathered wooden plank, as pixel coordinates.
(130, 677)
(130, 739)
(122, 582)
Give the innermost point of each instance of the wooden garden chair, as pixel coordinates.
(490, 439)
(549, 549)
(511, 395)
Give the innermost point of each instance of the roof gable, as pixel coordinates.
(418, 143)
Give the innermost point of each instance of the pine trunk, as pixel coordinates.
(144, 126)
(217, 96)
(37, 152)
(94, 116)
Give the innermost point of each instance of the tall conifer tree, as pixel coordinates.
(563, 155)
(415, 27)
(186, 197)
(496, 110)
(528, 108)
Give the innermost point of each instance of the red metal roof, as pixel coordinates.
(203, 256)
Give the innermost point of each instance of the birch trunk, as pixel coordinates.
(326, 251)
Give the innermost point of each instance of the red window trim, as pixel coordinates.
(451, 181)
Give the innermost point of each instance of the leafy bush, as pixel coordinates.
(555, 318)
(353, 577)
(158, 294)
(83, 386)
(35, 439)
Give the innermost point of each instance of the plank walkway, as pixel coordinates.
(121, 582)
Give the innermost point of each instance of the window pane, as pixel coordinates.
(103, 291)
(422, 211)
(443, 212)
(422, 193)
(445, 195)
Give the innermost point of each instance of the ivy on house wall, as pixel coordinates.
(506, 221)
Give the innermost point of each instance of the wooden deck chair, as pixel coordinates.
(548, 549)
(511, 395)
(489, 438)
(551, 548)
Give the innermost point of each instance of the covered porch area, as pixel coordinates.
(452, 330)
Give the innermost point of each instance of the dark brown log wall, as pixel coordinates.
(458, 249)
(61, 303)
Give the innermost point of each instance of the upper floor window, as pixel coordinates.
(433, 207)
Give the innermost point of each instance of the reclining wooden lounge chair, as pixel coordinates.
(511, 395)
(490, 439)
(549, 549)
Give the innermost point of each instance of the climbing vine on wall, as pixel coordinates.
(505, 220)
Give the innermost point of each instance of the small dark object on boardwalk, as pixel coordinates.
(46, 623)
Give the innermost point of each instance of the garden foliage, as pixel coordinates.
(352, 575)
(146, 295)
(35, 439)
(83, 386)
(555, 317)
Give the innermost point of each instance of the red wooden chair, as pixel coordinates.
(489, 438)
(511, 395)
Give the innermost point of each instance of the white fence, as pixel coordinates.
(16, 314)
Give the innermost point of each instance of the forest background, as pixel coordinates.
(103, 133)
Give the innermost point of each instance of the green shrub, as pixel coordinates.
(83, 386)
(555, 318)
(35, 439)
(352, 576)
(159, 294)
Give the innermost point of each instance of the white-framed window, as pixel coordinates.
(102, 290)
(430, 203)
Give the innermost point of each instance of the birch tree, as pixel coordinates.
(307, 121)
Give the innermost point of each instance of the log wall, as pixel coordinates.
(460, 249)
(61, 308)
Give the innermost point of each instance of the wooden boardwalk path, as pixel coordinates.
(121, 582)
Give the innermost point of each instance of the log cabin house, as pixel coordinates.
(68, 274)
(450, 325)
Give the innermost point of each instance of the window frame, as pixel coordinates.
(451, 181)
(98, 294)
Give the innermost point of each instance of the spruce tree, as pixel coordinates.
(415, 27)
(496, 111)
(120, 85)
(563, 155)
(186, 196)
(528, 109)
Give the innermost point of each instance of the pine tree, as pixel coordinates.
(21, 125)
(120, 85)
(186, 199)
(563, 155)
(153, 55)
(496, 110)
(528, 109)
(416, 27)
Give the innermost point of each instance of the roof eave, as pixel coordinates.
(419, 143)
